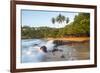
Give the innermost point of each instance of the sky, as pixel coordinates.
(37, 18)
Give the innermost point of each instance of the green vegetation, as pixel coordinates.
(78, 28)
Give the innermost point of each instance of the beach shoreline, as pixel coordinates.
(70, 38)
(79, 44)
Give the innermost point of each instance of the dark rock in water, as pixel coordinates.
(35, 44)
(58, 42)
(60, 50)
(54, 50)
(64, 42)
(62, 56)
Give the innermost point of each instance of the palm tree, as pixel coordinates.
(53, 20)
(60, 18)
(67, 20)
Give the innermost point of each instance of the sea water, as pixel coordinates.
(30, 52)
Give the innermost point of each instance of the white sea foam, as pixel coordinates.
(50, 45)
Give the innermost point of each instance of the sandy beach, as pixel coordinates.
(70, 38)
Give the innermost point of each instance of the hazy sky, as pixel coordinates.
(37, 18)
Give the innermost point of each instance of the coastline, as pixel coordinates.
(64, 38)
(79, 39)
(81, 46)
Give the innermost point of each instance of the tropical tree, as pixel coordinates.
(67, 20)
(53, 20)
(60, 19)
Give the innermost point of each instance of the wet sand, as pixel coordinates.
(83, 50)
(78, 51)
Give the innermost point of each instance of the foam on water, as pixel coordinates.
(50, 45)
(33, 54)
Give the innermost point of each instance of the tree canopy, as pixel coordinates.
(79, 27)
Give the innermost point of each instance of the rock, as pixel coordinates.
(62, 56)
